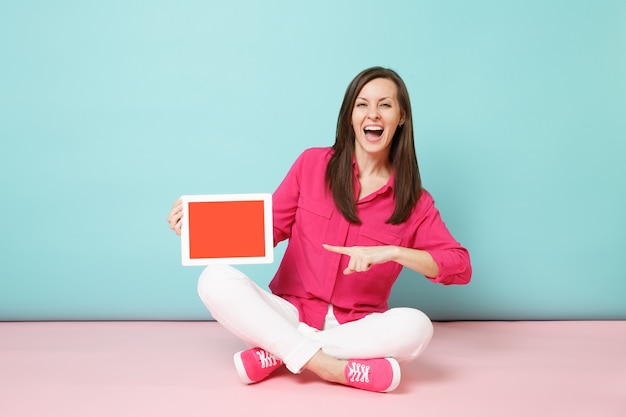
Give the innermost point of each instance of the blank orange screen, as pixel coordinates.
(226, 229)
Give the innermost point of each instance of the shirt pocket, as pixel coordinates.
(312, 219)
(379, 279)
(375, 237)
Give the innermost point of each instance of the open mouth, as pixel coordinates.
(373, 132)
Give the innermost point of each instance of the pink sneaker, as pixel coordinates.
(379, 375)
(254, 365)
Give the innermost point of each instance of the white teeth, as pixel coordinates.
(373, 128)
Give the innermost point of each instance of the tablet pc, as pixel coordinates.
(227, 229)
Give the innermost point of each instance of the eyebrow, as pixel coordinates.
(381, 99)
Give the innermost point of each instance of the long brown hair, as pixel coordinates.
(339, 173)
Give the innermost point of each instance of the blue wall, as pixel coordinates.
(111, 110)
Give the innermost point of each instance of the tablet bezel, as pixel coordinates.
(266, 198)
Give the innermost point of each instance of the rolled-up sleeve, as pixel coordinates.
(433, 236)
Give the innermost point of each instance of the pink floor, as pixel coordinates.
(185, 369)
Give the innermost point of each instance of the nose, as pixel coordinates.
(373, 113)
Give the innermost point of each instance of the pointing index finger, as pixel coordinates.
(337, 249)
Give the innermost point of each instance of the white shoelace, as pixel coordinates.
(358, 372)
(267, 359)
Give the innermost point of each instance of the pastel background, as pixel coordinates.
(109, 110)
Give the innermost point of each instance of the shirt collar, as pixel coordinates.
(387, 187)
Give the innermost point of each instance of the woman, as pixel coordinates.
(355, 215)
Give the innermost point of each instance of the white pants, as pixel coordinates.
(270, 322)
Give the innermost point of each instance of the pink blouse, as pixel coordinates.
(311, 277)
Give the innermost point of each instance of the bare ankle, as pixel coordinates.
(327, 367)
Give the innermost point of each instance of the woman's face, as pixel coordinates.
(376, 116)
